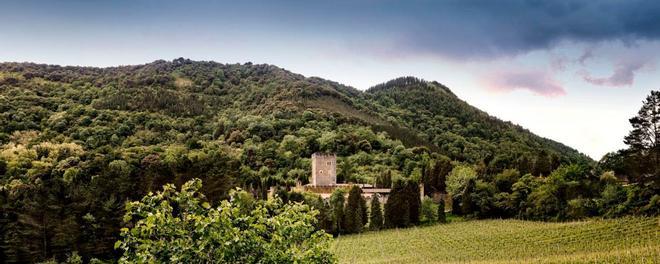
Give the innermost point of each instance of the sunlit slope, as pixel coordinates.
(625, 240)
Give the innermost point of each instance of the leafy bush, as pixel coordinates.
(179, 227)
(459, 177)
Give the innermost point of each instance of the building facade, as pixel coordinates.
(324, 169)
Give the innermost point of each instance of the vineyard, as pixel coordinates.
(624, 240)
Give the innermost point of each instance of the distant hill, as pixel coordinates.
(199, 94)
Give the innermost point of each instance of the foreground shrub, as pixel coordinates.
(179, 227)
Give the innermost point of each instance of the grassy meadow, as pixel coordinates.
(623, 240)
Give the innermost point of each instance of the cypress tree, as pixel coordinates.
(413, 201)
(363, 210)
(428, 177)
(376, 217)
(396, 209)
(441, 211)
(325, 214)
(337, 206)
(435, 176)
(353, 211)
(444, 169)
(456, 204)
(467, 205)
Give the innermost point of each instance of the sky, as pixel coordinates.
(571, 71)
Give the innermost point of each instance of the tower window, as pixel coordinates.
(329, 163)
(320, 171)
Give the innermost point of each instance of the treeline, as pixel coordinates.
(347, 210)
(570, 192)
(624, 182)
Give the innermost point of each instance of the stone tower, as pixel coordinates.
(324, 169)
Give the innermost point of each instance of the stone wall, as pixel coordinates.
(324, 169)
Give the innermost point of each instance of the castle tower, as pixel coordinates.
(324, 169)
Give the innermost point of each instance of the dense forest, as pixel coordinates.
(77, 143)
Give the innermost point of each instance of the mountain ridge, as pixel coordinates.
(297, 91)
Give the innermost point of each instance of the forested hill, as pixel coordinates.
(77, 142)
(462, 131)
(207, 95)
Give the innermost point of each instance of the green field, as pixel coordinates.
(624, 240)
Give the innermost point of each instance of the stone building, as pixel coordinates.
(324, 170)
(323, 180)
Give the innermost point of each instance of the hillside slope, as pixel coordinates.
(417, 112)
(461, 131)
(77, 142)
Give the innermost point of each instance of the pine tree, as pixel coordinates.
(376, 216)
(644, 140)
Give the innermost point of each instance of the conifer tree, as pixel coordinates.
(644, 141)
(442, 218)
(337, 206)
(467, 205)
(364, 210)
(413, 201)
(397, 211)
(376, 216)
(353, 212)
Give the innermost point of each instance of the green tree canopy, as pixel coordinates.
(179, 227)
(644, 140)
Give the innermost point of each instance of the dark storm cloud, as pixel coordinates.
(460, 29)
(469, 29)
(482, 29)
